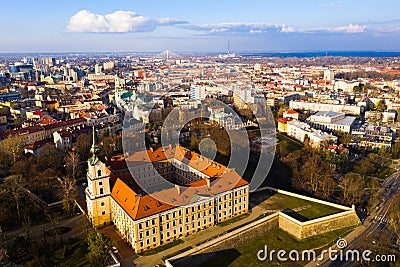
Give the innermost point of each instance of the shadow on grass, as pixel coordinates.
(259, 197)
(295, 215)
(220, 258)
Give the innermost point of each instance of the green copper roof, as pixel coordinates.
(127, 94)
(93, 160)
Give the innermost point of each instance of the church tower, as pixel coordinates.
(98, 190)
(117, 92)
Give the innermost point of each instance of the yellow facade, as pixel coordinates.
(98, 194)
(161, 226)
(282, 127)
(164, 227)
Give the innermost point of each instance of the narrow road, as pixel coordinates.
(357, 238)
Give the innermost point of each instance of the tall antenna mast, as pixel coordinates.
(229, 48)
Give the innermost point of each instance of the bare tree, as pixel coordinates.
(395, 216)
(327, 186)
(3, 249)
(13, 146)
(72, 164)
(70, 191)
(352, 185)
(15, 193)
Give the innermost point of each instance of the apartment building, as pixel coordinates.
(317, 106)
(317, 138)
(333, 121)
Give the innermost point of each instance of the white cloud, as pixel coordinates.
(343, 29)
(392, 30)
(288, 29)
(234, 28)
(117, 22)
(257, 28)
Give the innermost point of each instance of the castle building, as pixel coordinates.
(204, 194)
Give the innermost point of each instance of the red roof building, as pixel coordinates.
(202, 193)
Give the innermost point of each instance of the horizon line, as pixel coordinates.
(206, 52)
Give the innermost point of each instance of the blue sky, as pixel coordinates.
(156, 25)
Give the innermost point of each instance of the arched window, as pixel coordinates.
(98, 173)
(101, 191)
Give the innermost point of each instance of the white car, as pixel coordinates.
(114, 250)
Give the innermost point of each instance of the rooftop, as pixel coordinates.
(140, 206)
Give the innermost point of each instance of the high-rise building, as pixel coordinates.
(50, 61)
(97, 69)
(197, 92)
(329, 75)
(107, 66)
(73, 75)
(242, 97)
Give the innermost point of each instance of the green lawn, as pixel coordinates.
(292, 144)
(275, 202)
(246, 255)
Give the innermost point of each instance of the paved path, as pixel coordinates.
(125, 254)
(76, 224)
(357, 238)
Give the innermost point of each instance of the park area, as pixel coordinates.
(290, 143)
(241, 250)
(246, 255)
(300, 209)
(277, 239)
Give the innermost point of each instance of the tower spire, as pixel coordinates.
(93, 137)
(94, 150)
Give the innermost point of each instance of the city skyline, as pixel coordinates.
(125, 26)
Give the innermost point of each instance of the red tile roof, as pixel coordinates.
(205, 165)
(284, 120)
(141, 206)
(291, 111)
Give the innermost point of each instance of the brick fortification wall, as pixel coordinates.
(202, 253)
(318, 226)
(300, 230)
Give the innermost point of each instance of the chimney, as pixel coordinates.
(178, 189)
(151, 149)
(208, 180)
(170, 146)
